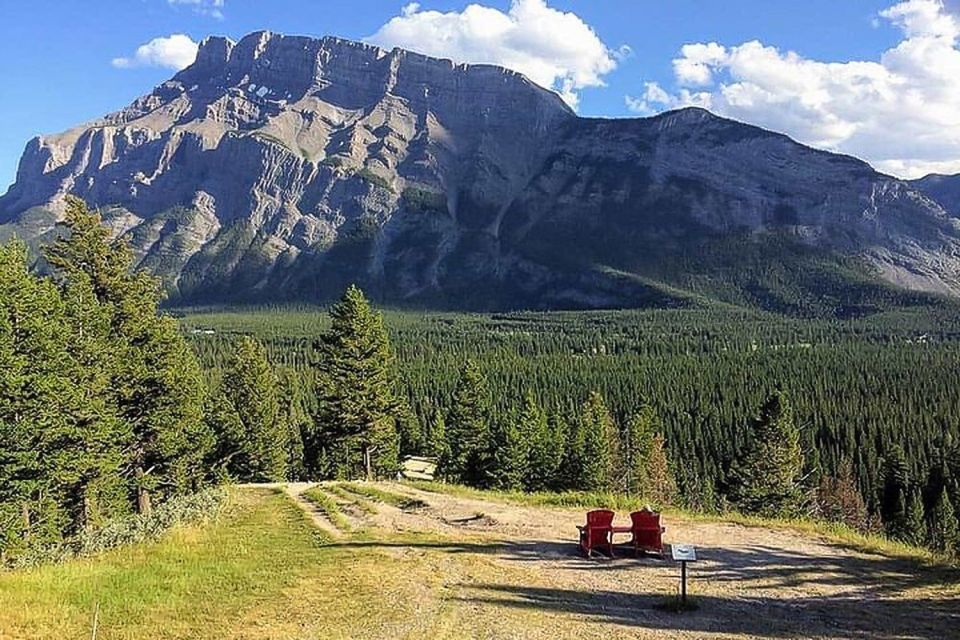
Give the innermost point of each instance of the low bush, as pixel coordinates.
(189, 509)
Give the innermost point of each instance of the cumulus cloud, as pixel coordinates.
(173, 52)
(554, 49)
(212, 8)
(900, 112)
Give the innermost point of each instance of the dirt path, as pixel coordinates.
(295, 491)
(505, 571)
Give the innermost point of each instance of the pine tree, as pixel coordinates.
(409, 431)
(638, 446)
(468, 428)
(297, 422)
(544, 451)
(437, 445)
(661, 486)
(85, 453)
(32, 362)
(508, 458)
(767, 477)
(571, 474)
(358, 411)
(229, 435)
(916, 523)
(600, 449)
(257, 450)
(944, 529)
(156, 384)
(896, 487)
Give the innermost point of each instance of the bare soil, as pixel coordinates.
(491, 569)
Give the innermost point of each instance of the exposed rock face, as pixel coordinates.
(944, 189)
(286, 167)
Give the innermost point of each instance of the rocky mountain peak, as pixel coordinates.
(286, 167)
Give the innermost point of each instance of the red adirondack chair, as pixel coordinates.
(598, 531)
(647, 531)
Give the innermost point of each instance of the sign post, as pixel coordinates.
(683, 553)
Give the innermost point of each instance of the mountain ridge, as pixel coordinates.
(284, 167)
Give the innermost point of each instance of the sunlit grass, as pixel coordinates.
(323, 501)
(380, 495)
(363, 505)
(190, 579)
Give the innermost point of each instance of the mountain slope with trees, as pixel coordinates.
(287, 168)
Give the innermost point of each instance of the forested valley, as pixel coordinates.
(109, 407)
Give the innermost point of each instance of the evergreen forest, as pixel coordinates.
(110, 405)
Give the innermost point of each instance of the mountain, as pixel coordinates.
(283, 168)
(944, 189)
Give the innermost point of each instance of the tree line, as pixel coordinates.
(104, 408)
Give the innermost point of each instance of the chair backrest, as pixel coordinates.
(645, 519)
(600, 518)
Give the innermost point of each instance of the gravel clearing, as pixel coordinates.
(501, 570)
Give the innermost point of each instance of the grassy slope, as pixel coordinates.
(261, 571)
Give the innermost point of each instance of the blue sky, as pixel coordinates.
(60, 63)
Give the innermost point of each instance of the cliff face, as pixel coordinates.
(945, 189)
(285, 167)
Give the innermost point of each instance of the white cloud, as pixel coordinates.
(213, 8)
(554, 49)
(900, 112)
(174, 52)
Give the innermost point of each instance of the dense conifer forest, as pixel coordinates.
(860, 393)
(109, 406)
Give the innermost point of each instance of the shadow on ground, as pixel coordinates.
(867, 593)
(759, 617)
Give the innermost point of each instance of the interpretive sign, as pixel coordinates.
(683, 552)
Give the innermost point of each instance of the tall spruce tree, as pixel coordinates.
(356, 388)
(436, 438)
(570, 475)
(896, 489)
(296, 419)
(409, 431)
(32, 382)
(253, 430)
(544, 451)
(468, 428)
(661, 485)
(917, 533)
(508, 458)
(638, 446)
(85, 452)
(155, 380)
(944, 529)
(767, 476)
(600, 445)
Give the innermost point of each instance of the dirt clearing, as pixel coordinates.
(500, 570)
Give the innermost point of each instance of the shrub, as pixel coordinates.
(190, 509)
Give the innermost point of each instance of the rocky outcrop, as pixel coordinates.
(944, 189)
(286, 167)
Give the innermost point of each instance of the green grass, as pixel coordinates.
(355, 500)
(323, 501)
(190, 578)
(262, 570)
(387, 497)
(833, 532)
